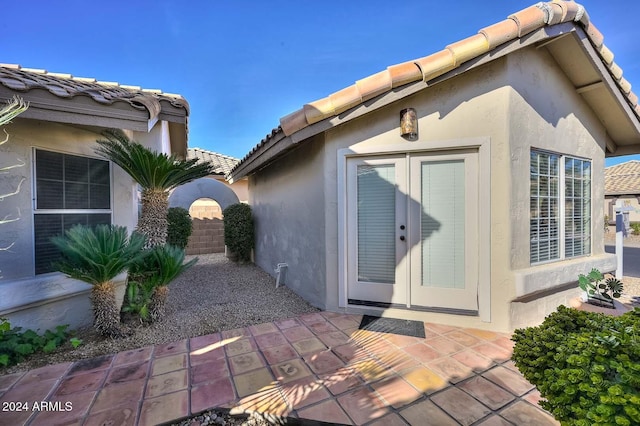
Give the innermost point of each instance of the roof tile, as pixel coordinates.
(569, 9)
(625, 86)
(404, 73)
(623, 178)
(293, 122)
(607, 54)
(374, 85)
(616, 71)
(345, 99)
(595, 35)
(317, 110)
(528, 20)
(501, 32)
(436, 64)
(469, 48)
(222, 164)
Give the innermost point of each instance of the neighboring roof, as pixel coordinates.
(222, 163)
(338, 106)
(65, 101)
(623, 178)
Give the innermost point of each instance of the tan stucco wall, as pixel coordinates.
(17, 264)
(632, 201)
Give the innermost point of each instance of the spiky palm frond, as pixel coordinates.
(97, 255)
(12, 109)
(161, 265)
(152, 170)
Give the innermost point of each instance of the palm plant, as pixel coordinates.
(96, 255)
(157, 174)
(150, 276)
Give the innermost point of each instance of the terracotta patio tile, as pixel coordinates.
(279, 354)
(369, 370)
(474, 360)
(128, 372)
(524, 414)
(303, 392)
(241, 346)
(168, 363)
(268, 402)
(481, 334)
(212, 352)
(398, 360)
(504, 342)
(81, 383)
(511, 366)
(164, 408)
(396, 392)
(496, 353)
(323, 362)
(44, 373)
(287, 323)
(431, 329)
(328, 314)
(118, 394)
(245, 362)
(308, 346)
(311, 318)
(200, 342)
(172, 348)
(269, 340)
(133, 356)
(123, 415)
(350, 352)
(392, 419)
(509, 380)
(424, 380)
(321, 327)
(327, 411)
(70, 409)
(208, 372)
(378, 347)
(167, 383)
(340, 381)
(422, 353)
(350, 331)
(16, 417)
(533, 397)
(259, 329)
(444, 345)
(489, 394)
(362, 405)
(253, 382)
(450, 369)
(30, 392)
(289, 371)
(462, 338)
(333, 338)
(236, 332)
(402, 341)
(295, 334)
(460, 405)
(345, 323)
(8, 380)
(93, 364)
(212, 394)
(418, 413)
(494, 420)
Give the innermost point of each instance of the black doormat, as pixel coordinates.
(392, 325)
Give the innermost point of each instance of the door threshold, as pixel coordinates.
(435, 309)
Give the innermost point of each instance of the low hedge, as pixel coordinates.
(179, 227)
(238, 230)
(586, 366)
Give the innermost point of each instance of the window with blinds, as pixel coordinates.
(560, 200)
(69, 190)
(376, 188)
(443, 224)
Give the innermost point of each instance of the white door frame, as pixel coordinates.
(482, 144)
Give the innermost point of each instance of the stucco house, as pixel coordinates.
(464, 187)
(63, 182)
(622, 183)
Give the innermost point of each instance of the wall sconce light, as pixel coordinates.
(409, 124)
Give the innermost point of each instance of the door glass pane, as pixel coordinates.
(376, 223)
(442, 224)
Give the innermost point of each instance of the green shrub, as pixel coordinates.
(586, 366)
(635, 226)
(16, 345)
(179, 228)
(238, 230)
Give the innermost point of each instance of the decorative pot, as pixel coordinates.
(579, 304)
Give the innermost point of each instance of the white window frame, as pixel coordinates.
(562, 199)
(41, 211)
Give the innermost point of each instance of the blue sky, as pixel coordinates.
(244, 64)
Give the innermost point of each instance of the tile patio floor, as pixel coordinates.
(316, 366)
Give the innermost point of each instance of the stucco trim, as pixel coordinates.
(482, 144)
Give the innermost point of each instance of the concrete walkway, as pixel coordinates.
(317, 366)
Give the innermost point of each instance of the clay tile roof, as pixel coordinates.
(623, 178)
(222, 163)
(452, 56)
(22, 79)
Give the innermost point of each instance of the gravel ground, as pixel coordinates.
(214, 295)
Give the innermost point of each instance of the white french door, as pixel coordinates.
(412, 227)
